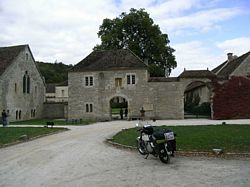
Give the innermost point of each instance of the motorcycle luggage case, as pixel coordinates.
(164, 134)
(148, 129)
(159, 135)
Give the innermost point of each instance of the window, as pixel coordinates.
(62, 93)
(118, 82)
(89, 107)
(20, 114)
(16, 114)
(89, 81)
(86, 81)
(130, 79)
(133, 79)
(27, 56)
(33, 113)
(26, 83)
(15, 87)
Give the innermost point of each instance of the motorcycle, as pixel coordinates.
(156, 142)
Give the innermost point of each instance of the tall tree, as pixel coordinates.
(138, 32)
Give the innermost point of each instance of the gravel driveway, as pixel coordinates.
(80, 158)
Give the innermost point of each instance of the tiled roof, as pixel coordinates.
(8, 54)
(163, 79)
(104, 60)
(224, 70)
(197, 74)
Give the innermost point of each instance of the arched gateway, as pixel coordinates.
(119, 108)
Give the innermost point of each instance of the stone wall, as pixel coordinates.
(55, 110)
(231, 100)
(11, 83)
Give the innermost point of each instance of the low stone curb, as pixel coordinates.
(33, 138)
(183, 153)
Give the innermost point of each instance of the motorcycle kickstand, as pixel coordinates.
(146, 156)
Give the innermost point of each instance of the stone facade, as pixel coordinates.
(161, 100)
(57, 92)
(21, 100)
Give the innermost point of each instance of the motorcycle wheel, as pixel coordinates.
(141, 147)
(164, 157)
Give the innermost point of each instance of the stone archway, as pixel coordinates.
(197, 100)
(118, 108)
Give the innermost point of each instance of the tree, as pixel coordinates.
(138, 32)
(54, 73)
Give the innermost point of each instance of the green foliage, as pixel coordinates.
(12, 134)
(191, 101)
(138, 32)
(230, 138)
(54, 73)
(203, 109)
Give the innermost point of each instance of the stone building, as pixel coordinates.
(104, 75)
(231, 92)
(56, 103)
(107, 75)
(22, 90)
(57, 92)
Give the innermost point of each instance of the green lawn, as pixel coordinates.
(56, 122)
(116, 110)
(12, 134)
(230, 138)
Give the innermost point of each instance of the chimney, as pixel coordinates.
(230, 56)
(146, 61)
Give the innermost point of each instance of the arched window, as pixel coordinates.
(15, 87)
(20, 114)
(16, 114)
(26, 83)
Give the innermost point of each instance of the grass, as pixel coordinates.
(56, 122)
(116, 110)
(12, 134)
(230, 138)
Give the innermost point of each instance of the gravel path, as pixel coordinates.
(80, 158)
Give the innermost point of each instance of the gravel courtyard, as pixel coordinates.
(80, 157)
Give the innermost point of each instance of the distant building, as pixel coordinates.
(231, 92)
(57, 92)
(22, 90)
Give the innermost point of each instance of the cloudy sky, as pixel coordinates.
(201, 31)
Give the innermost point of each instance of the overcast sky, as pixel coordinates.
(201, 31)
